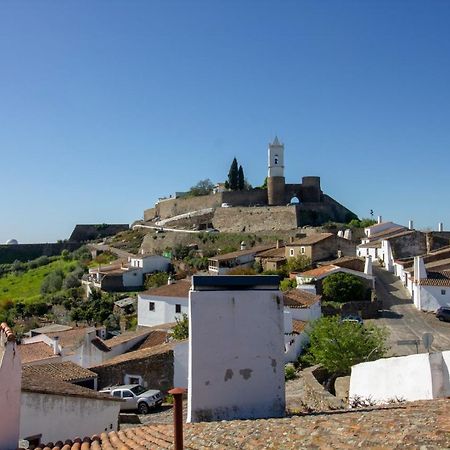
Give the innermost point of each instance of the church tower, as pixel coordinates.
(275, 176)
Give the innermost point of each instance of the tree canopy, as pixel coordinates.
(298, 263)
(338, 345)
(181, 330)
(233, 174)
(343, 287)
(203, 187)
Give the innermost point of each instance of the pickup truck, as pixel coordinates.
(135, 397)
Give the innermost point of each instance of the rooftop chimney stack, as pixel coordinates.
(243, 245)
(411, 225)
(56, 345)
(170, 280)
(368, 265)
(279, 243)
(440, 226)
(379, 219)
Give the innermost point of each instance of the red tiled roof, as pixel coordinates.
(125, 337)
(179, 289)
(70, 339)
(407, 425)
(155, 338)
(4, 328)
(35, 351)
(273, 253)
(319, 271)
(64, 371)
(436, 279)
(299, 298)
(311, 240)
(298, 326)
(247, 251)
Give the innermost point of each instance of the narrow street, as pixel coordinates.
(403, 320)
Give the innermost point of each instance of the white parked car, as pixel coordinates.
(226, 205)
(136, 397)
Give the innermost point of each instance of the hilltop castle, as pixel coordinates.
(280, 206)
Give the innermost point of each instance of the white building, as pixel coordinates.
(431, 289)
(10, 373)
(415, 377)
(120, 275)
(163, 304)
(236, 357)
(52, 410)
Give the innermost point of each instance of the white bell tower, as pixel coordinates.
(276, 159)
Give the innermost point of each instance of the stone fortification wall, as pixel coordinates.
(245, 198)
(248, 219)
(318, 213)
(149, 214)
(27, 252)
(176, 206)
(90, 232)
(409, 245)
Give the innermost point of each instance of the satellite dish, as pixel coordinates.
(427, 339)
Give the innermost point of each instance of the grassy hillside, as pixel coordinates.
(26, 286)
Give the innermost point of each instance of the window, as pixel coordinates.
(177, 309)
(442, 291)
(302, 250)
(276, 159)
(127, 394)
(151, 306)
(291, 252)
(117, 394)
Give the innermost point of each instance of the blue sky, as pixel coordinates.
(107, 105)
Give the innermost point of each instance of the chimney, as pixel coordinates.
(243, 245)
(440, 226)
(291, 239)
(279, 243)
(379, 219)
(339, 253)
(419, 268)
(348, 234)
(411, 225)
(340, 233)
(142, 251)
(170, 280)
(56, 345)
(368, 265)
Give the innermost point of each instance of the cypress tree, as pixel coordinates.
(233, 175)
(241, 179)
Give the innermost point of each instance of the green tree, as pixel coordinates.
(298, 263)
(287, 284)
(203, 187)
(338, 345)
(181, 330)
(343, 287)
(52, 282)
(156, 279)
(241, 179)
(233, 175)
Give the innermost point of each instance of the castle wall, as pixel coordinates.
(248, 219)
(28, 252)
(176, 206)
(276, 191)
(245, 198)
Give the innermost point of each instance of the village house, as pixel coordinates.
(272, 259)
(155, 365)
(300, 307)
(245, 257)
(52, 409)
(319, 247)
(164, 304)
(83, 345)
(10, 373)
(123, 276)
(311, 280)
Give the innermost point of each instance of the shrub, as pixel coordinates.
(181, 330)
(343, 287)
(157, 279)
(289, 372)
(287, 284)
(52, 282)
(298, 264)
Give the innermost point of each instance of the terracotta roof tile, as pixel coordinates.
(35, 351)
(142, 353)
(411, 425)
(125, 337)
(436, 279)
(71, 339)
(64, 371)
(8, 333)
(298, 326)
(156, 337)
(247, 251)
(44, 384)
(273, 253)
(390, 232)
(311, 240)
(179, 289)
(319, 271)
(299, 298)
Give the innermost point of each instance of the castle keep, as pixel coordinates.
(281, 206)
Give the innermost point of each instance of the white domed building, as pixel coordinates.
(12, 242)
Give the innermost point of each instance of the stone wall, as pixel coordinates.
(248, 219)
(156, 370)
(409, 245)
(364, 309)
(90, 232)
(176, 206)
(27, 252)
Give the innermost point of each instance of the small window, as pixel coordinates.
(127, 394)
(151, 306)
(117, 394)
(302, 250)
(291, 252)
(442, 291)
(134, 380)
(177, 309)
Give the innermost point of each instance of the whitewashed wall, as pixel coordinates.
(306, 314)
(10, 382)
(164, 309)
(60, 417)
(156, 263)
(414, 377)
(293, 351)
(430, 298)
(236, 355)
(181, 364)
(133, 278)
